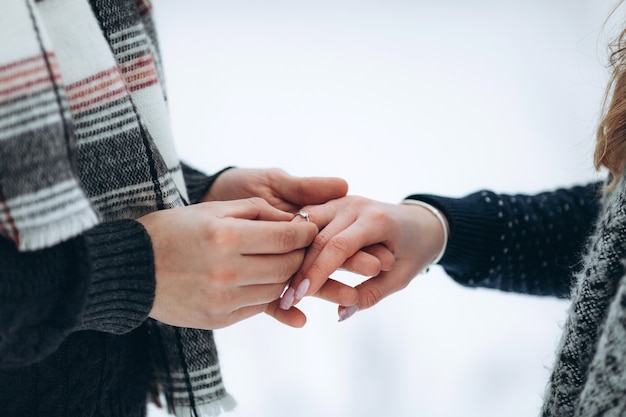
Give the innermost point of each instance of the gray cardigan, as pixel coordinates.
(589, 376)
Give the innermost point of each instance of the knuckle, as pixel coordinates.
(320, 241)
(221, 277)
(339, 244)
(363, 264)
(360, 202)
(371, 267)
(288, 238)
(387, 261)
(225, 237)
(370, 297)
(291, 265)
(378, 214)
(219, 305)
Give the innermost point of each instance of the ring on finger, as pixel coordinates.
(304, 215)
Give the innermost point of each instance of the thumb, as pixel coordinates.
(253, 208)
(303, 191)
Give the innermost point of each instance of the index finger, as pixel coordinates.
(269, 237)
(330, 250)
(343, 236)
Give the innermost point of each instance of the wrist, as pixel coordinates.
(199, 185)
(217, 190)
(445, 230)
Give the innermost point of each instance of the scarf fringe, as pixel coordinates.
(212, 409)
(47, 235)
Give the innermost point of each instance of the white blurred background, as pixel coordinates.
(397, 97)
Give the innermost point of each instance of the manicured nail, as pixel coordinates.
(346, 312)
(286, 301)
(302, 289)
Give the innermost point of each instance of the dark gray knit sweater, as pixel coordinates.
(72, 340)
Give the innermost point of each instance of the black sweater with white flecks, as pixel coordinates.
(529, 244)
(567, 243)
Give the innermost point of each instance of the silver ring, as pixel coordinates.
(304, 215)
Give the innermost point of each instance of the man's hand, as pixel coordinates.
(279, 189)
(219, 263)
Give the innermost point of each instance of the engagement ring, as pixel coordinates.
(304, 215)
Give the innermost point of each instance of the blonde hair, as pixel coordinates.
(610, 149)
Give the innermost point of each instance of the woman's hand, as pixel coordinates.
(219, 263)
(411, 233)
(290, 193)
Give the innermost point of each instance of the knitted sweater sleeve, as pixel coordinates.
(529, 244)
(102, 280)
(197, 182)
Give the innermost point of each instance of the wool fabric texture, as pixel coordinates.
(564, 243)
(589, 377)
(85, 141)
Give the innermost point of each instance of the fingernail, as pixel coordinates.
(346, 312)
(286, 301)
(302, 289)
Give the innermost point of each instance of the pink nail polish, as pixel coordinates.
(302, 289)
(286, 301)
(346, 312)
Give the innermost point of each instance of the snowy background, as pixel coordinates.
(395, 96)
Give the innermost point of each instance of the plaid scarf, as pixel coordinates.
(85, 138)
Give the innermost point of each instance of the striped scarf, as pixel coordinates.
(84, 139)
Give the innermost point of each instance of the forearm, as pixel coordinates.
(521, 243)
(102, 280)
